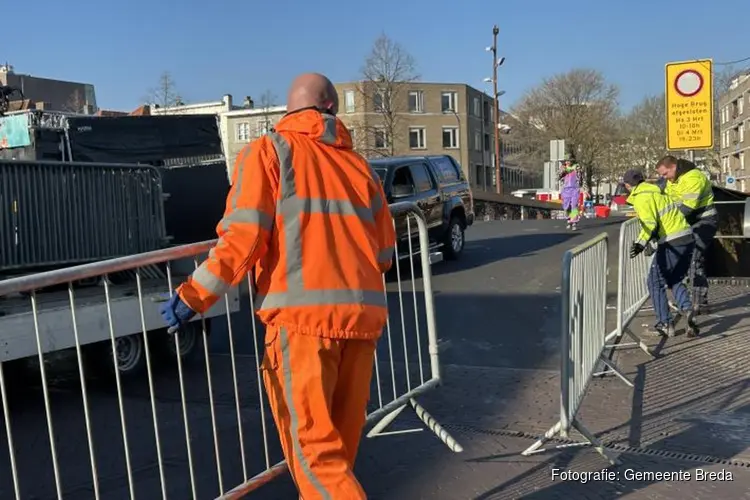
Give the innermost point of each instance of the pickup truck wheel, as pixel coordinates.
(453, 243)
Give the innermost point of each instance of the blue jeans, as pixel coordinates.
(669, 268)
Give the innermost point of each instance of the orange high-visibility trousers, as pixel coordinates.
(318, 390)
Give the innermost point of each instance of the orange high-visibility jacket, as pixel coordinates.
(311, 215)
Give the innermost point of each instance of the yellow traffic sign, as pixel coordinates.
(690, 105)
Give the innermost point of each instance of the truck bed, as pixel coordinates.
(17, 332)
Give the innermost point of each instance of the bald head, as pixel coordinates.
(312, 90)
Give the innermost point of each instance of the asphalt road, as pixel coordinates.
(498, 307)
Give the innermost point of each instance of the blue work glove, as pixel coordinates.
(175, 312)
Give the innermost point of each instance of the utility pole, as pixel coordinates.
(495, 64)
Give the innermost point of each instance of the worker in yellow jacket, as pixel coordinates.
(663, 223)
(691, 190)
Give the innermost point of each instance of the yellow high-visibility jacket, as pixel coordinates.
(693, 194)
(661, 218)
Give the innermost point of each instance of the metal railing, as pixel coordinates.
(188, 432)
(584, 306)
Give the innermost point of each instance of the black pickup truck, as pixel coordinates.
(438, 186)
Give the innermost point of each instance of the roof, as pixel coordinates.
(262, 111)
(397, 160)
(144, 110)
(107, 112)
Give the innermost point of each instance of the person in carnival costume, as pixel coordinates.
(570, 175)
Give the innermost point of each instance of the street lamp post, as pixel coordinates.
(496, 63)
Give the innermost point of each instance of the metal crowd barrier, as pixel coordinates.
(188, 432)
(584, 307)
(632, 291)
(64, 213)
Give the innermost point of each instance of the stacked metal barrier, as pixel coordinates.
(188, 433)
(582, 340)
(55, 213)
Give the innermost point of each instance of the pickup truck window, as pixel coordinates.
(422, 180)
(381, 173)
(446, 169)
(402, 177)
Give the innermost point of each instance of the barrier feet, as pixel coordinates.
(432, 424)
(557, 430)
(611, 367)
(637, 342)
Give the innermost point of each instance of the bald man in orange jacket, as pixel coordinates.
(310, 214)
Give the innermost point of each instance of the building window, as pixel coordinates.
(417, 138)
(416, 101)
(477, 141)
(263, 127)
(477, 107)
(243, 132)
(742, 160)
(353, 134)
(381, 138)
(478, 175)
(450, 137)
(486, 142)
(725, 165)
(741, 131)
(349, 101)
(487, 112)
(740, 105)
(449, 102)
(380, 101)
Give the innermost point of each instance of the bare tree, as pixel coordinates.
(76, 103)
(267, 100)
(578, 106)
(165, 94)
(645, 129)
(385, 76)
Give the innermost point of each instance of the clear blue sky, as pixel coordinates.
(244, 47)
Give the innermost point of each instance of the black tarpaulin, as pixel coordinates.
(196, 202)
(142, 139)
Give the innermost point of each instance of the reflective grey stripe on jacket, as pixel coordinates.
(202, 275)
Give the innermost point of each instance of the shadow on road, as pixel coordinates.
(480, 252)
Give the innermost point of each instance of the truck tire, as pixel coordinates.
(453, 241)
(189, 339)
(130, 353)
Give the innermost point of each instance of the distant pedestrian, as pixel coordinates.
(570, 176)
(662, 222)
(692, 191)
